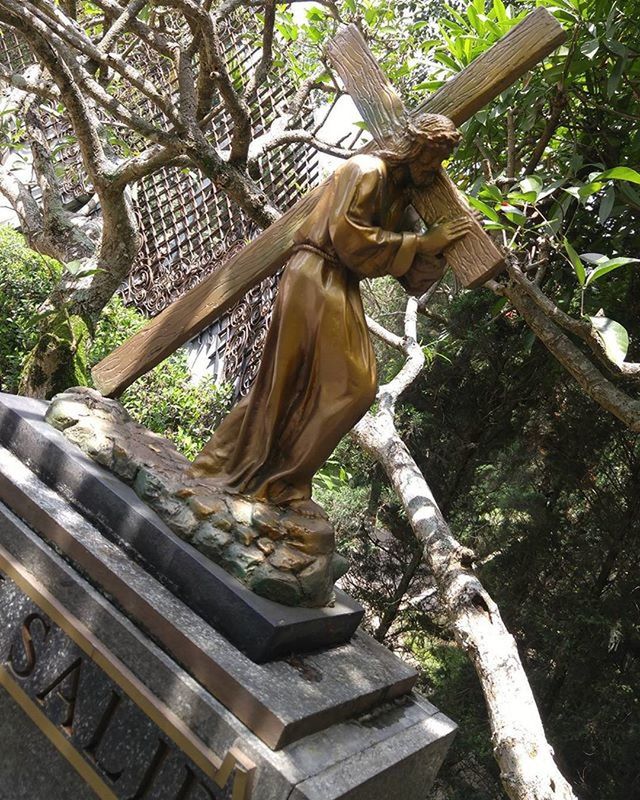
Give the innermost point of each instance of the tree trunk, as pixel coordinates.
(71, 312)
(525, 758)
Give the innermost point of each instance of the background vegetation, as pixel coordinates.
(165, 400)
(541, 482)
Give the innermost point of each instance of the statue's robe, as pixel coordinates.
(317, 376)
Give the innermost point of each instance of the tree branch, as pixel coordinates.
(525, 758)
(27, 209)
(58, 29)
(154, 158)
(294, 109)
(593, 382)
(121, 24)
(212, 61)
(147, 34)
(581, 328)
(25, 83)
(60, 237)
(82, 117)
(278, 138)
(262, 70)
(558, 104)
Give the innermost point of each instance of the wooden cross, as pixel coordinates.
(474, 258)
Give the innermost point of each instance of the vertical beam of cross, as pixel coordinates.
(526, 43)
(474, 258)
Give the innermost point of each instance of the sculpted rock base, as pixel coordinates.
(281, 553)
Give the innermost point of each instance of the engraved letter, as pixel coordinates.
(190, 782)
(31, 621)
(159, 757)
(101, 729)
(73, 674)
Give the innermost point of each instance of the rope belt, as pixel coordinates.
(328, 255)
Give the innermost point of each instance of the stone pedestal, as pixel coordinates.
(142, 698)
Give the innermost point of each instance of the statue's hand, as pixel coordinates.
(442, 234)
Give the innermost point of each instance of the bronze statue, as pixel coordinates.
(246, 501)
(318, 376)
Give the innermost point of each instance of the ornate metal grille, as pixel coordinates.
(188, 228)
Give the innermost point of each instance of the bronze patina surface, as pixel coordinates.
(318, 374)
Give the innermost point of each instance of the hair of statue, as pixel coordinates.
(421, 132)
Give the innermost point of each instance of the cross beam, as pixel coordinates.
(474, 258)
(515, 53)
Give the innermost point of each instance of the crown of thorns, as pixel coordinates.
(420, 133)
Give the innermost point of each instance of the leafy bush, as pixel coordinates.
(165, 400)
(26, 278)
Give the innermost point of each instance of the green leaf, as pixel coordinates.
(578, 266)
(531, 184)
(620, 174)
(613, 336)
(607, 266)
(520, 198)
(614, 78)
(606, 204)
(513, 214)
(493, 192)
(589, 49)
(618, 48)
(593, 258)
(574, 191)
(497, 307)
(588, 189)
(486, 210)
(500, 12)
(551, 187)
(75, 266)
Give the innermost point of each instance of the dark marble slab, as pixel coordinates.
(262, 629)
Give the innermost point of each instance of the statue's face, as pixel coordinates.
(430, 158)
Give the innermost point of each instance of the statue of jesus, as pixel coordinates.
(317, 376)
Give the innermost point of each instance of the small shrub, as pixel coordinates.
(26, 279)
(165, 400)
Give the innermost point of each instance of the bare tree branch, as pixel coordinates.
(82, 116)
(278, 138)
(65, 241)
(392, 609)
(154, 158)
(525, 758)
(213, 62)
(27, 209)
(558, 104)
(147, 34)
(26, 83)
(581, 328)
(121, 24)
(57, 28)
(592, 381)
(296, 105)
(262, 70)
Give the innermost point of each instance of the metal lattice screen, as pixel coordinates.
(188, 228)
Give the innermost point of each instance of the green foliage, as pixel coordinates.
(26, 279)
(582, 190)
(167, 402)
(164, 400)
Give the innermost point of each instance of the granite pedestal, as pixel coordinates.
(145, 699)
(259, 627)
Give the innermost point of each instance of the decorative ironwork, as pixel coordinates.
(188, 228)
